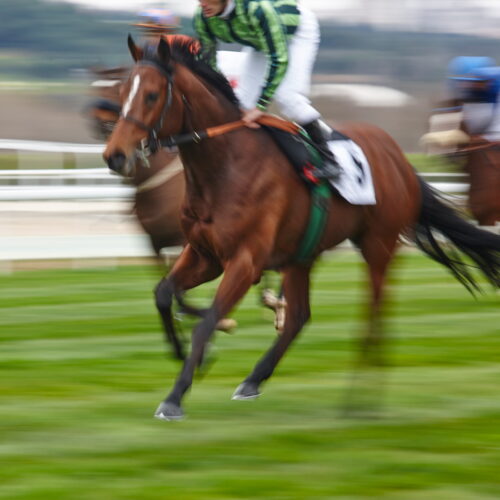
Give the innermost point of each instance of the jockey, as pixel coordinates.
(471, 108)
(481, 111)
(281, 39)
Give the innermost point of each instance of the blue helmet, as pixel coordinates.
(462, 66)
(461, 74)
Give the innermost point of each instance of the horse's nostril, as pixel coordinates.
(116, 162)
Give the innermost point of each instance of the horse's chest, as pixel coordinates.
(212, 238)
(199, 230)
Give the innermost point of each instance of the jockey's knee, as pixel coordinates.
(296, 107)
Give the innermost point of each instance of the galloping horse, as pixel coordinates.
(246, 209)
(483, 167)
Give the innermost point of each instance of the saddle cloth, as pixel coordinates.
(355, 183)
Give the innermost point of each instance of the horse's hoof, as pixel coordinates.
(246, 391)
(269, 299)
(226, 325)
(169, 411)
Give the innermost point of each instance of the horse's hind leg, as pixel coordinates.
(189, 271)
(296, 290)
(239, 275)
(365, 392)
(378, 252)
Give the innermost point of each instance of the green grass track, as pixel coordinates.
(83, 367)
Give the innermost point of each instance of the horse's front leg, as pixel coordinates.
(189, 271)
(239, 275)
(296, 291)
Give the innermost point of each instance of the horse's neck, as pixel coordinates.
(205, 107)
(205, 161)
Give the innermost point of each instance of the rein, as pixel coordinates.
(480, 146)
(197, 136)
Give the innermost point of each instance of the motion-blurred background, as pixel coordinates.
(48, 46)
(82, 366)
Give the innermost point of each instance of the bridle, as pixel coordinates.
(152, 144)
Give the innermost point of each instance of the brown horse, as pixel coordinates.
(483, 167)
(162, 179)
(246, 209)
(160, 186)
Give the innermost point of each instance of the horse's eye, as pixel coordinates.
(151, 97)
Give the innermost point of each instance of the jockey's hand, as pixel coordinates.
(250, 116)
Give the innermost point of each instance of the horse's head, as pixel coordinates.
(103, 111)
(171, 89)
(102, 115)
(147, 97)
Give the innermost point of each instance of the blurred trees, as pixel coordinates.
(40, 39)
(46, 40)
(396, 55)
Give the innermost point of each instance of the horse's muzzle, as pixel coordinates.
(116, 162)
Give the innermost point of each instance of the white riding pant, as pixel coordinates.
(482, 119)
(292, 94)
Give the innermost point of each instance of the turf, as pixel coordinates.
(83, 368)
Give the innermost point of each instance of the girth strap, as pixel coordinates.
(320, 196)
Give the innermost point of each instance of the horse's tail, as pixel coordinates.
(438, 219)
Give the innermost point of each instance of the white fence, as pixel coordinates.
(85, 213)
(101, 183)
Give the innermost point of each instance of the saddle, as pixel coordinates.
(301, 151)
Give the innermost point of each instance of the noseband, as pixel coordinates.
(151, 144)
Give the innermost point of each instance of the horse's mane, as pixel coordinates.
(187, 51)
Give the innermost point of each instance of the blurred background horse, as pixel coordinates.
(159, 183)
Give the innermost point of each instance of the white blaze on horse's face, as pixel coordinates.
(133, 91)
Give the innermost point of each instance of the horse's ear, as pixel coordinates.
(164, 50)
(134, 49)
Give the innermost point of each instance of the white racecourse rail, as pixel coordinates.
(25, 184)
(36, 196)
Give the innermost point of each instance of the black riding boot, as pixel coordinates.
(331, 169)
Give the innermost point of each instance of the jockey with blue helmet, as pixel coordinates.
(481, 109)
(474, 86)
(460, 73)
(281, 39)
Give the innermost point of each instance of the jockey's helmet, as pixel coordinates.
(462, 66)
(157, 21)
(462, 79)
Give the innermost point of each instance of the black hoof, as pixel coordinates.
(169, 411)
(245, 391)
